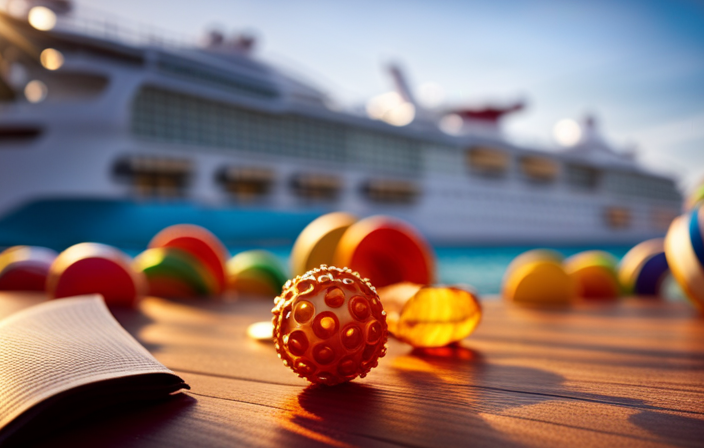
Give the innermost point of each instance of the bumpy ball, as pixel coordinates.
(329, 326)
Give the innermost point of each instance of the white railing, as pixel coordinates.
(85, 20)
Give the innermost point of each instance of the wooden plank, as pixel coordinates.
(603, 375)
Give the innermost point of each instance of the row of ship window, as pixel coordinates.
(159, 177)
(167, 177)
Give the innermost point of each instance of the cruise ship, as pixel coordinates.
(109, 134)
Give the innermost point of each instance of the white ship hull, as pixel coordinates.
(87, 148)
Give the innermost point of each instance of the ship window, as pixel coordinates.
(316, 186)
(67, 86)
(582, 176)
(636, 184)
(391, 191)
(618, 217)
(237, 83)
(154, 176)
(246, 183)
(440, 158)
(487, 161)
(383, 153)
(539, 169)
(18, 134)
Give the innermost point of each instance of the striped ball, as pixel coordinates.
(684, 248)
(256, 272)
(175, 273)
(643, 268)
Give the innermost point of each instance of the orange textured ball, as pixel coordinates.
(329, 326)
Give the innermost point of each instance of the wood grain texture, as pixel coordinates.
(621, 374)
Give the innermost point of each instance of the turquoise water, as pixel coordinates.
(480, 267)
(129, 225)
(484, 267)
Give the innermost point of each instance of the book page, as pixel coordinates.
(60, 345)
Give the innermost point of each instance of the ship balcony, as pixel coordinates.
(316, 186)
(617, 217)
(245, 183)
(154, 177)
(391, 191)
(18, 135)
(539, 169)
(488, 162)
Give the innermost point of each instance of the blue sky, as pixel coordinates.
(637, 65)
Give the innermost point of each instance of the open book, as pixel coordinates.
(65, 358)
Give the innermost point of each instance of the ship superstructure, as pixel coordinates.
(126, 137)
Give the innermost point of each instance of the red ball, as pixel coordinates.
(388, 251)
(25, 268)
(92, 268)
(329, 326)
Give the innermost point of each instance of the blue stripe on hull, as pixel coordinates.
(59, 223)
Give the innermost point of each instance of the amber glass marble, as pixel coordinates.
(430, 316)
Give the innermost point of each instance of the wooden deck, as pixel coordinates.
(593, 375)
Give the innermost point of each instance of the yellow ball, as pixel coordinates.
(537, 277)
(317, 243)
(594, 275)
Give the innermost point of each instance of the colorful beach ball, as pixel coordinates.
(89, 268)
(594, 274)
(386, 250)
(695, 197)
(25, 268)
(684, 248)
(201, 244)
(175, 273)
(644, 268)
(538, 277)
(256, 272)
(317, 243)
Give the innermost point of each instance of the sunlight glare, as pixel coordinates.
(261, 331)
(35, 91)
(391, 108)
(42, 18)
(567, 132)
(51, 59)
(451, 124)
